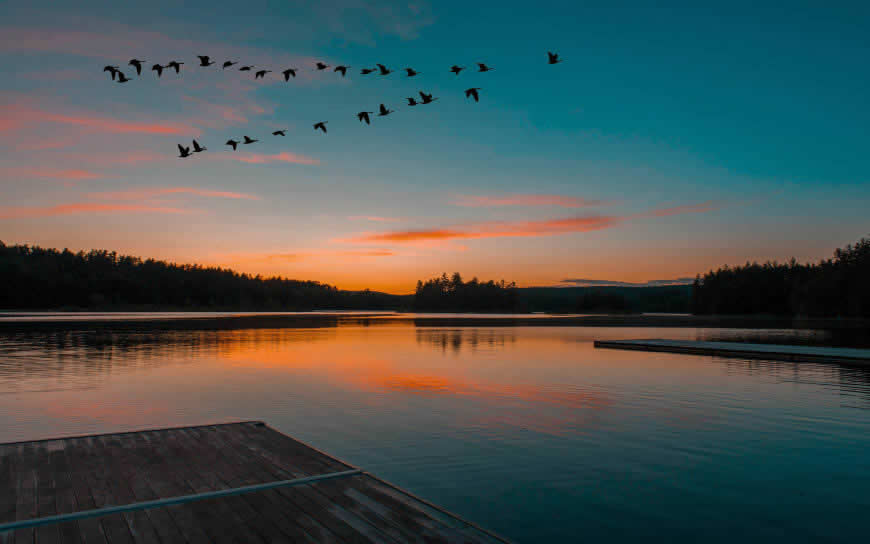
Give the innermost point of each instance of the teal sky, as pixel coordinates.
(671, 139)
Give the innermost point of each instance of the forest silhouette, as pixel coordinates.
(32, 277)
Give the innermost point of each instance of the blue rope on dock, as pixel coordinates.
(47, 520)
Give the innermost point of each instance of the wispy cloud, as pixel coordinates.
(65, 174)
(516, 229)
(304, 255)
(257, 158)
(152, 193)
(580, 282)
(562, 201)
(15, 212)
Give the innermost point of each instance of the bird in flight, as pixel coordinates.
(228, 63)
(321, 66)
(280, 132)
(261, 73)
(366, 71)
(483, 67)
(246, 68)
(553, 58)
(232, 143)
(427, 98)
(342, 69)
(249, 140)
(363, 116)
(183, 152)
(412, 101)
(384, 70)
(158, 69)
(204, 60)
(175, 64)
(321, 125)
(289, 72)
(122, 78)
(137, 64)
(197, 148)
(472, 93)
(456, 69)
(113, 70)
(383, 111)
(411, 72)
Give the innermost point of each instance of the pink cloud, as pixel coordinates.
(69, 174)
(257, 158)
(146, 194)
(15, 212)
(22, 113)
(517, 229)
(474, 201)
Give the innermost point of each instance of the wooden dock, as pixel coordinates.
(238, 482)
(860, 357)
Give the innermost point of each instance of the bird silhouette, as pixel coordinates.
(113, 70)
(228, 63)
(383, 111)
(246, 68)
(197, 148)
(366, 71)
(289, 72)
(175, 64)
(204, 60)
(261, 73)
(122, 78)
(483, 67)
(321, 66)
(158, 69)
(183, 152)
(137, 64)
(364, 116)
(553, 58)
(249, 140)
(427, 98)
(280, 133)
(342, 69)
(411, 72)
(412, 101)
(321, 125)
(456, 69)
(384, 70)
(233, 143)
(472, 93)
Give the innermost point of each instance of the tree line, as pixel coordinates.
(835, 287)
(452, 294)
(34, 277)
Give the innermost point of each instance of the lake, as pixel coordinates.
(527, 430)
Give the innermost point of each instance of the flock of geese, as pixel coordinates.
(364, 116)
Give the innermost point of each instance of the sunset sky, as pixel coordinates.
(670, 140)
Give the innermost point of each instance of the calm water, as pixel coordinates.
(529, 431)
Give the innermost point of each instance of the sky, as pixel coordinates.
(672, 139)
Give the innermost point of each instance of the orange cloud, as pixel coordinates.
(514, 229)
(21, 113)
(495, 230)
(313, 254)
(472, 201)
(257, 158)
(376, 218)
(70, 174)
(145, 194)
(15, 212)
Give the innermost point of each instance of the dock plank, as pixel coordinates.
(780, 352)
(73, 475)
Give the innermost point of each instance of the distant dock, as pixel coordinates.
(812, 354)
(238, 482)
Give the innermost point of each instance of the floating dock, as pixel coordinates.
(812, 354)
(237, 482)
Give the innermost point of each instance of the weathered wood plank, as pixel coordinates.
(90, 530)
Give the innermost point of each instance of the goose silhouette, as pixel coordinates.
(197, 148)
(321, 126)
(472, 93)
(204, 60)
(159, 69)
(249, 140)
(363, 116)
(289, 72)
(183, 152)
(233, 143)
(136, 64)
(228, 63)
(553, 58)
(175, 64)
